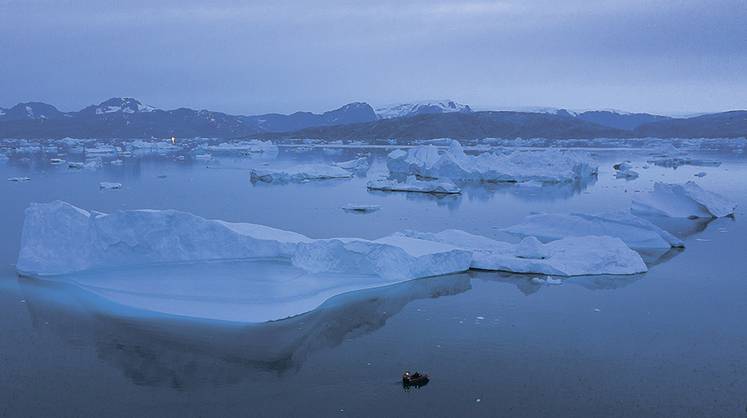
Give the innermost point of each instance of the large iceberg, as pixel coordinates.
(299, 173)
(548, 166)
(637, 233)
(572, 256)
(687, 200)
(60, 238)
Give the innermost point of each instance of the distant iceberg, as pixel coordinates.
(547, 166)
(687, 200)
(299, 173)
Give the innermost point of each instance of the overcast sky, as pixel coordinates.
(281, 56)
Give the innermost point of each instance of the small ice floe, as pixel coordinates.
(105, 185)
(203, 157)
(636, 232)
(546, 281)
(700, 174)
(180, 158)
(625, 170)
(116, 162)
(356, 208)
(412, 184)
(56, 161)
(19, 179)
(299, 173)
(571, 256)
(358, 164)
(687, 200)
(548, 166)
(675, 162)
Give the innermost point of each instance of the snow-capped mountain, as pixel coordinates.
(118, 105)
(30, 111)
(403, 110)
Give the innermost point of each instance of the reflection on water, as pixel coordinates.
(163, 350)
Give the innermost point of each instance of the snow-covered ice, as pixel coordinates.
(636, 232)
(19, 179)
(298, 173)
(548, 166)
(687, 200)
(412, 184)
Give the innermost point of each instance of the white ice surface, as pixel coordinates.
(687, 200)
(636, 232)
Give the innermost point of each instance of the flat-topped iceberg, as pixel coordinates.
(60, 238)
(412, 184)
(637, 233)
(572, 256)
(299, 173)
(548, 166)
(687, 200)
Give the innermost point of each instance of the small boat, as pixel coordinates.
(414, 379)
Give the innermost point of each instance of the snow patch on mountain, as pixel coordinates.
(419, 108)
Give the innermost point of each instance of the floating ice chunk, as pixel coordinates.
(88, 165)
(116, 162)
(298, 173)
(56, 161)
(358, 164)
(625, 170)
(350, 207)
(105, 185)
(395, 257)
(203, 157)
(637, 233)
(412, 184)
(19, 179)
(683, 201)
(674, 162)
(549, 165)
(700, 174)
(573, 256)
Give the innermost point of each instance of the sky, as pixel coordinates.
(251, 57)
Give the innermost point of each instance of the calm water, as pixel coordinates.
(671, 342)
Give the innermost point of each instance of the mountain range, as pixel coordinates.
(130, 118)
